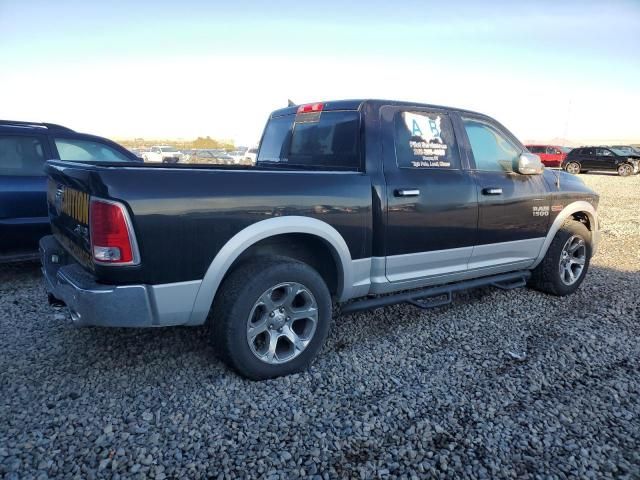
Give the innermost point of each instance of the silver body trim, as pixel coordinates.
(426, 264)
(188, 303)
(385, 286)
(95, 304)
(264, 229)
(503, 253)
(565, 213)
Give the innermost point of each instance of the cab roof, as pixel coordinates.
(358, 104)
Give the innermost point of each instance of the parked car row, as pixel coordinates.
(623, 159)
(170, 154)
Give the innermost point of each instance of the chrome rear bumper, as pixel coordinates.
(93, 303)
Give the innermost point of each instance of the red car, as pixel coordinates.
(551, 155)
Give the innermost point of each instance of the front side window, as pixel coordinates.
(604, 152)
(425, 140)
(21, 156)
(492, 150)
(87, 151)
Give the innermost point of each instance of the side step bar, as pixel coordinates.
(437, 296)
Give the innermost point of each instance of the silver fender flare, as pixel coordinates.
(259, 231)
(575, 207)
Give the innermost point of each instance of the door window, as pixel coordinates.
(425, 140)
(492, 150)
(21, 156)
(603, 152)
(87, 151)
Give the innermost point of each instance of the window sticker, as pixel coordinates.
(424, 140)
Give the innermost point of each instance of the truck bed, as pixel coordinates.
(202, 207)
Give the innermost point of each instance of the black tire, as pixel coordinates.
(584, 171)
(546, 277)
(235, 302)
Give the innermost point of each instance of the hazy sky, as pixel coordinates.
(189, 68)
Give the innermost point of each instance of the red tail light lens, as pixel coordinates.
(111, 236)
(311, 107)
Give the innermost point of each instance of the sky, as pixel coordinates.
(194, 68)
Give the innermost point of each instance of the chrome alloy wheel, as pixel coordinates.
(572, 260)
(625, 170)
(282, 323)
(573, 168)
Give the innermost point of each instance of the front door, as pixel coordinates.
(605, 159)
(513, 208)
(23, 201)
(432, 208)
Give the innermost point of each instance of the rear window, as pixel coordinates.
(88, 151)
(332, 141)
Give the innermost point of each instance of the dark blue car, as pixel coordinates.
(24, 148)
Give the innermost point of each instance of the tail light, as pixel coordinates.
(112, 238)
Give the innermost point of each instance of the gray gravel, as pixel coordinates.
(497, 385)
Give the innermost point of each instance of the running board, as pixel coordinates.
(438, 296)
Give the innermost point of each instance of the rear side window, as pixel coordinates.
(21, 156)
(331, 141)
(88, 151)
(534, 149)
(425, 140)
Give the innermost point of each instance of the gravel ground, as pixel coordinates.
(496, 385)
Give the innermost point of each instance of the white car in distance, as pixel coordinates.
(251, 154)
(162, 154)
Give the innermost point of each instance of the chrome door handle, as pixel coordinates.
(492, 191)
(407, 192)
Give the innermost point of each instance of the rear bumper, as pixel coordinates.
(93, 303)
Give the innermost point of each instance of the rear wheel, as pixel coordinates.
(573, 167)
(271, 317)
(566, 262)
(625, 170)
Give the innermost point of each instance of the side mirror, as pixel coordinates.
(529, 164)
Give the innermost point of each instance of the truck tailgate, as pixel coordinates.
(68, 209)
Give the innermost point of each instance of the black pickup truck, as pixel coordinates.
(348, 200)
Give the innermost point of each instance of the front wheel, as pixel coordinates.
(573, 168)
(625, 170)
(271, 317)
(566, 262)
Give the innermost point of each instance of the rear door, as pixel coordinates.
(588, 159)
(23, 204)
(513, 208)
(432, 208)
